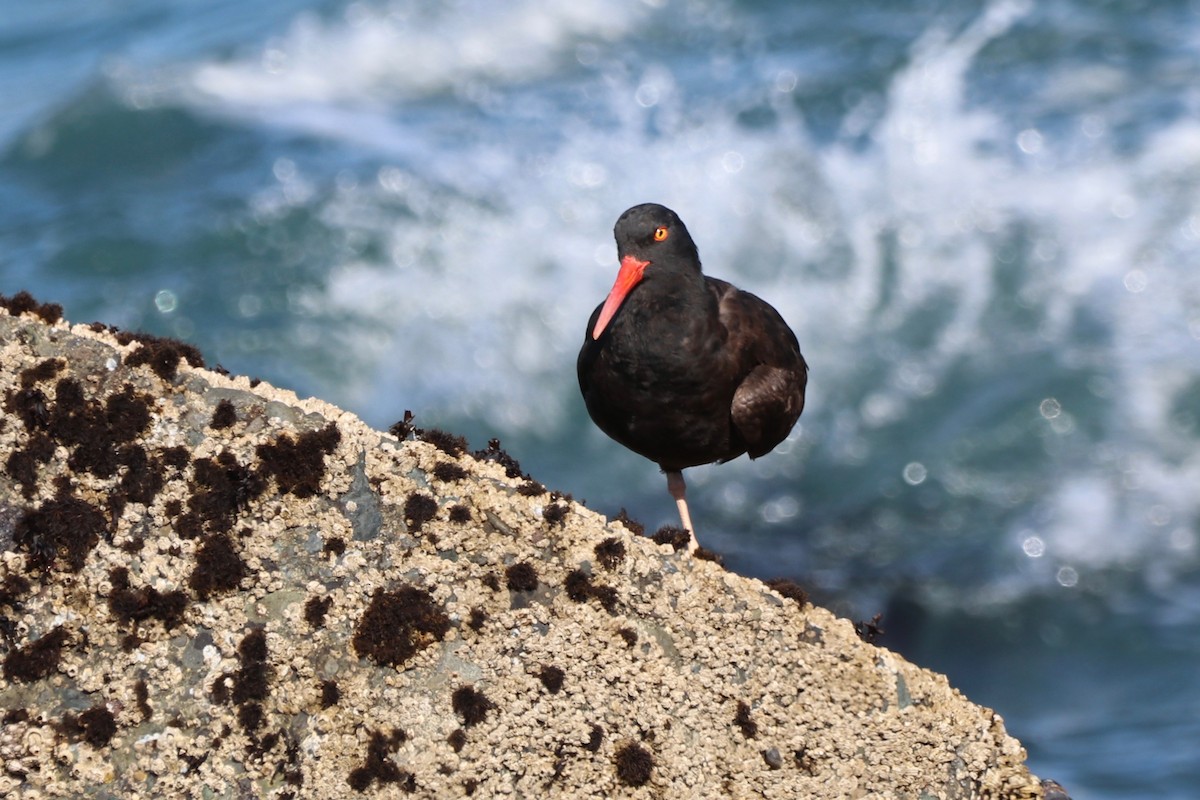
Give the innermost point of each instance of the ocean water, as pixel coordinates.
(982, 219)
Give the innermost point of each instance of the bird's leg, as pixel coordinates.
(678, 489)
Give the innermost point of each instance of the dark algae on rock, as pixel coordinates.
(398, 624)
(190, 602)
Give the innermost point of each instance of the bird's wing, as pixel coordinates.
(770, 395)
(766, 406)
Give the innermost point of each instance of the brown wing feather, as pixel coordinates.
(770, 396)
(766, 405)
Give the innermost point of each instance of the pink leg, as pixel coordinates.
(677, 488)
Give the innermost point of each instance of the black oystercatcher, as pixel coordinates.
(682, 368)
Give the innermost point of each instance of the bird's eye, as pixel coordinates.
(660, 233)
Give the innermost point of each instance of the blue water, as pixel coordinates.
(981, 219)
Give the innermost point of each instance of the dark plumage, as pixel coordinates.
(682, 368)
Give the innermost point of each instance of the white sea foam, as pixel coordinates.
(404, 50)
(496, 249)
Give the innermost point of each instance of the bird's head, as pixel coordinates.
(650, 238)
(651, 232)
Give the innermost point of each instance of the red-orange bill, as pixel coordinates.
(627, 277)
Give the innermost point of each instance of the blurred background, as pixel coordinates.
(981, 219)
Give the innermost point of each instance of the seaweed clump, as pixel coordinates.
(142, 481)
(552, 678)
(219, 568)
(521, 577)
(30, 406)
(225, 416)
(675, 536)
(159, 353)
(470, 704)
(251, 683)
(298, 465)
(610, 553)
(404, 428)
(63, 529)
(134, 605)
(94, 430)
(554, 512)
(632, 525)
(635, 765)
(379, 767)
(22, 302)
(449, 443)
(42, 371)
(449, 472)
(531, 488)
(12, 589)
(37, 659)
(315, 609)
(223, 488)
(789, 589)
(870, 629)
(399, 624)
(419, 508)
(330, 693)
(579, 587)
(493, 452)
(22, 463)
(744, 721)
(96, 726)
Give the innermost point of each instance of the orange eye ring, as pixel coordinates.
(660, 233)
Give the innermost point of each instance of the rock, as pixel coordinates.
(1054, 791)
(213, 589)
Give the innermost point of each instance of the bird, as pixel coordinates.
(682, 368)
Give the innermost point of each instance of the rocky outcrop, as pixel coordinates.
(212, 588)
